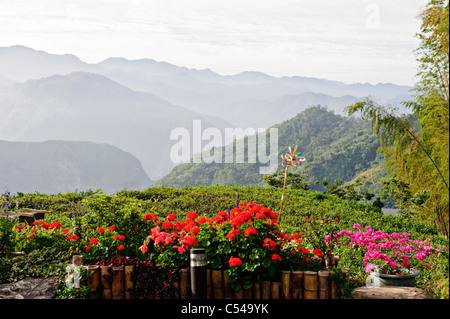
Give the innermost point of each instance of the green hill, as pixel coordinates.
(335, 147)
(62, 166)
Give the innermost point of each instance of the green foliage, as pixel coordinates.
(333, 145)
(295, 181)
(416, 148)
(46, 262)
(125, 208)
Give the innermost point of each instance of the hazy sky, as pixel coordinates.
(346, 40)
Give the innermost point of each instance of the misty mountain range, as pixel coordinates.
(134, 104)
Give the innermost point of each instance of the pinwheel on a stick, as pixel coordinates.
(291, 159)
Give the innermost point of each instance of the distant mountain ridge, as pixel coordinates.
(135, 104)
(67, 166)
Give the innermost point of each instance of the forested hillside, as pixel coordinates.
(335, 147)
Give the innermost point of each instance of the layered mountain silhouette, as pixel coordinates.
(135, 104)
(67, 166)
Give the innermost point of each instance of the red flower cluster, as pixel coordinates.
(47, 226)
(234, 261)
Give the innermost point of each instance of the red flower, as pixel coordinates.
(195, 230)
(88, 248)
(151, 216)
(120, 247)
(93, 241)
(100, 230)
(167, 225)
(317, 252)
(119, 237)
(111, 228)
(270, 244)
(303, 250)
(192, 215)
(250, 231)
(234, 261)
(276, 257)
(72, 237)
(20, 227)
(65, 231)
(171, 217)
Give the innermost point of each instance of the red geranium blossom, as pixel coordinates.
(120, 247)
(93, 241)
(276, 257)
(234, 261)
(250, 231)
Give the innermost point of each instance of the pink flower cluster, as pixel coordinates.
(389, 251)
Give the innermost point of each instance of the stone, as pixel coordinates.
(30, 288)
(390, 292)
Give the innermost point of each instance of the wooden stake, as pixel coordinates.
(94, 281)
(217, 283)
(266, 290)
(248, 293)
(209, 289)
(324, 288)
(256, 290)
(185, 287)
(282, 196)
(118, 283)
(239, 294)
(106, 283)
(297, 284)
(275, 289)
(129, 284)
(286, 284)
(310, 285)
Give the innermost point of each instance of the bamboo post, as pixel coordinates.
(248, 293)
(256, 290)
(209, 289)
(106, 283)
(239, 294)
(176, 285)
(129, 284)
(265, 290)
(185, 287)
(324, 288)
(310, 285)
(286, 284)
(118, 283)
(275, 289)
(297, 284)
(228, 292)
(94, 281)
(217, 283)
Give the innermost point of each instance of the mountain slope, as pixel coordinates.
(64, 166)
(90, 107)
(334, 147)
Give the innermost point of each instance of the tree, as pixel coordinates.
(416, 148)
